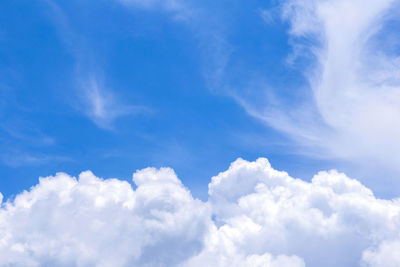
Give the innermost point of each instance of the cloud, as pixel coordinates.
(255, 216)
(207, 25)
(101, 105)
(14, 149)
(178, 9)
(268, 15)
(166, 4)
(17, 158)
(385, 256)
(68, 222)
(90, 96)
(350, 108)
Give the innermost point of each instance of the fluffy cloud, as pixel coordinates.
(255, 216)
(327, 222)
(387, 255)
(67, 222)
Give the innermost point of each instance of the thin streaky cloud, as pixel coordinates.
(353, 108)
(18, 158)
(94, 100)
(102, 106)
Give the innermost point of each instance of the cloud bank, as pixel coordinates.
(255, 216)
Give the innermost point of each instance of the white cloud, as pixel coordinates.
(387, 255)
(16, 158)
(101, 105)
(67, 222)
(167, 4)
(255, 216)
(268, 15)
(91, 96)
(180, 10)
(353, 109)
(209, 29)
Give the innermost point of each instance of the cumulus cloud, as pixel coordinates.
(255, 216)
(351, 108)
(88, 221)
(387, 255)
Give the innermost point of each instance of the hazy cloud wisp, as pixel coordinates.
(353, 108)
(102, 106)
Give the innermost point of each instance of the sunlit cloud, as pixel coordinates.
(255, 216)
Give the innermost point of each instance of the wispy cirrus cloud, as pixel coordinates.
(102, 106)
(98, 102)
(164, 4)
(19, 141)
(17, 158)
(350, 108)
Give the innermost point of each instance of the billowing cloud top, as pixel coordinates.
(255, 216)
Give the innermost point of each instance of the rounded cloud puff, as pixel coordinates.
(93, 222)
(255, 216)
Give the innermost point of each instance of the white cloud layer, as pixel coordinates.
(255, 216)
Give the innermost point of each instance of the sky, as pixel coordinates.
(117, 86)
(249, 128)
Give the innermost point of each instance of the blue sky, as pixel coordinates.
(165, 84)
(115, 86)
(173, 133)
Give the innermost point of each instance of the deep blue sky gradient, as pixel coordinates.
(180, 70)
